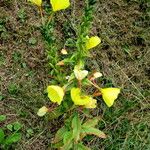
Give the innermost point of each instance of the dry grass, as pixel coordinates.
(123, 58)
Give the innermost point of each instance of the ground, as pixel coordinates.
(123, 58)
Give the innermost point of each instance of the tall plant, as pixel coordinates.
(70, 93)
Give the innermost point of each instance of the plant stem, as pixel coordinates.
(41, 13)
(58, 112)
(84, 30)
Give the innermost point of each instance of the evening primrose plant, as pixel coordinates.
(68, 89)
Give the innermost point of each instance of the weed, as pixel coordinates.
(32, 41)
(13, 89)
(58, 92)
(9, 134)
(22, 15)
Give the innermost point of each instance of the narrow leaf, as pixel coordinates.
(2, 135)
(67, 141)
(91, 122)
(76, 125)
(68, 136)
(92, 131)
(57, 145)
(60, 134)
(13, 138)
(80, 146)
(67, 146)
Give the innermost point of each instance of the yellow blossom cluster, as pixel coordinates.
(56, 4)
(56, 95)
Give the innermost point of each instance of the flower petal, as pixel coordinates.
(55, 93)
(59, 4)
(110, 95)
(36, 2)
(77, 98)
(92, 42)
(91, 104)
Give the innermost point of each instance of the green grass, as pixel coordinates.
(123, 58)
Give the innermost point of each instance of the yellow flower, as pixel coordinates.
(82, 100)
(59, 4)
(92, 42)
(80, 74)
(91, 104)
(42, 111)
(78, 99)
(55, 93)
(36, 2)
(110, 95)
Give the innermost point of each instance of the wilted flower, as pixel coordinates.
(64, 52)
(110, 95)
(42, 111)
(55, 93)
(67, 77)
(60, 63)
(80, 74)
(92, 42)
(96, 75)
(36, 2)
(59, 4)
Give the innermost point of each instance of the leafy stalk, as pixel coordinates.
(84, 29)
(47, 31)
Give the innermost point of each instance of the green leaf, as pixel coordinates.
(76, 125)
(1, 96)
(32, 41)
(91, 122)
(57, 145)
(60, 134)
(92, 131)
(87, 112)
(30, 132)
(67, 60)
(2, 117)
(67, 141)
(2, 135)
(70, 42)
(13, 138)
(67, 146)
(68, 136)
(10, 127)
(17, 126)
(80, 146)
